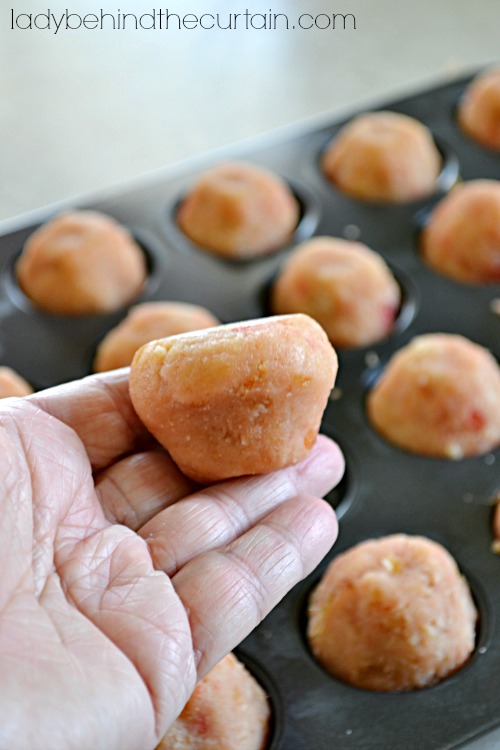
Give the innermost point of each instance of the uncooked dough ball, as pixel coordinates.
(81, 263)
(462, 237)
(245, 398)
(392, 614)
(227, 711)
(12, 384)
(343, 285)
(150, 320)
(238, 210)
(383, 157)
(479, 110)
(439, 396)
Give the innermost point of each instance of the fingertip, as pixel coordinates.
(323, 468)
(324, 528)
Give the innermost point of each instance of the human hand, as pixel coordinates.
(122, 582)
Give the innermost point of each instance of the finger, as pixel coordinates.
(227, 592)
(99, 409)
(217, 515)
(110, 579)
(136, 488)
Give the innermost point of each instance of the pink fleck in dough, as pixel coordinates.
(383, 157)
(81, 263)
(145, 322)
(392, 614)
(238, 210)
(227, 711)
(12, 384)
(245, 398)
(479, 110)
(439, 396)
(343, 285)
(462, 238)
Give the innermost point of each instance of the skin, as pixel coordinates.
(122, 582)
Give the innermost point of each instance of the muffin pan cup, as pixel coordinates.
(385, 490)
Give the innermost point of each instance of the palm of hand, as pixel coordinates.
(105, 627)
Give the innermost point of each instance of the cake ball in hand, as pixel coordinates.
(462, 238)
(383, 157)
(392, 614)
(12, 384)
(150, 320)
(239, 210)
(245, 398)
(81, 263)
(439, 396)
(227, 711)
(344, 285)
(479, 109)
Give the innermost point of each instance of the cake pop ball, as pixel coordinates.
(246, 398)
(238, 210)
(344, 285)
(392, 614)
(383, 157)
(462, 238)
(439, 396)
(479, 109)
(144, 322)
(81, 263)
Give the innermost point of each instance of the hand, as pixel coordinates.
(116, 594)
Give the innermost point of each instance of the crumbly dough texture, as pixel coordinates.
(145, 322)
(344, 285)
(227, 711)
(239, 210)
(81, 263)
(479, 109)
(392, 614)
(462, 237)
(439, 396)
(383, 157)
(245, 398)
(12, 384)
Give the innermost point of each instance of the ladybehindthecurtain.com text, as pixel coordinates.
(165, 20)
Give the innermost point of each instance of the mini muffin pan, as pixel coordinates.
(385, 490)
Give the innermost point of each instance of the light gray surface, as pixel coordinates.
(83, 110)
(80, 110)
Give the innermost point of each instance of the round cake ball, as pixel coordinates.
(81, 263)
(439, 396)
(479, 110)
(343, 285)
(392, 614)
(383, 157)
(227, 711)
(12, 384)
(238, 210)
(462, 237)
(245, 398)
(150, 320)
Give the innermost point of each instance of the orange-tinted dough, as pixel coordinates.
(392, 614)
(150, 320)
(12, 384)
(227, 711)
(479, 110)
(238, 210)
(81, 263)
(383, 157)
(462, 237)
(246, 398)
(343, 285)
(439, 396)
